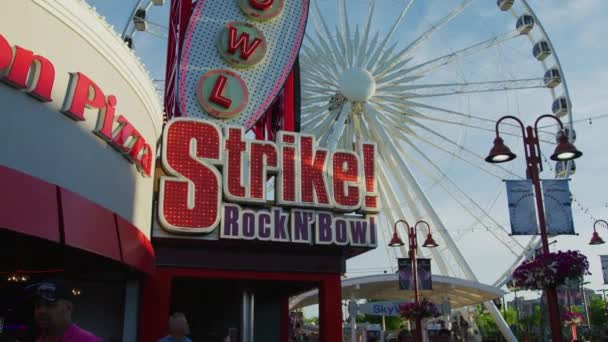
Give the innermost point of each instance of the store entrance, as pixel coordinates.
(218, 307)
(212, 306)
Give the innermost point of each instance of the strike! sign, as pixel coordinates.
(207, 165)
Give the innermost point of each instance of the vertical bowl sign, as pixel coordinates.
(236, 57)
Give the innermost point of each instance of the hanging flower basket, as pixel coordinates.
(423, 309)
(572, 318)
(553, 269)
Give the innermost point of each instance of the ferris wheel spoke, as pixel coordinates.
(444, 89)
(466, 201)
(390, 199)
(355, 47)
(483, 122)
(469, 158)
(320, 124)
(392, 203)
(397, 78)
(341, 40)
(319, 90)
(376, 54)
(389, 151)
(308, 99)
(396, 62)
(347, 139)
(321, 50)
(370, 48)
(344, 30)
(380, 59)
(320, 81)
(461, 153)
(315, 112)
(319, 68)
(336, 131)
(528, 253)
(425, 36)
(468, 91)
(399, 110)
(339, 58)
(368, 23)
(451, 142)
(434, 64)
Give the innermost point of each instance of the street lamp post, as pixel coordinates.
(596, 239)
(413, 245)
(564, 151)
(585, 303)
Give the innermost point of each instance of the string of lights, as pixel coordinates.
(576, 203)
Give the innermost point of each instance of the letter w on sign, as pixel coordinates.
(242, 42)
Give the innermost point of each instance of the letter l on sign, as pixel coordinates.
(217, 96)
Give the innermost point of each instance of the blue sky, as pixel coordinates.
(577, 29)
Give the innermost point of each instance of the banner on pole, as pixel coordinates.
(522, 211)
(604, 259)
(406, 278)
(558, 207)
(425, 277)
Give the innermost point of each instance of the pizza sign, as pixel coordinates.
(218, 179)
(235, 49)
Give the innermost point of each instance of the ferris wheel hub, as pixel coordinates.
(357, 84)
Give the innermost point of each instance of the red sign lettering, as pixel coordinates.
(82, 93)
(261, 5)
(264, 160)
(32, 72)
(190, 200)
(314, 186)
(345, 166)
(242, 42)
(235, 148)
(217, 96)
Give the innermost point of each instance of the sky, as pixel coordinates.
(577, 30)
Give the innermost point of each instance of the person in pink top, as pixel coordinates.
(53, 315)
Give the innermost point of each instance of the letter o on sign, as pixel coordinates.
(262, 10)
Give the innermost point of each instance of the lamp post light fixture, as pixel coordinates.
(413, 245)
(596, 239)
(564, 151)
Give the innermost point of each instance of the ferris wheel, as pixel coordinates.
(426, 81)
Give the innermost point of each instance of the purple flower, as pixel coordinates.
(551, 269)
(422, 309)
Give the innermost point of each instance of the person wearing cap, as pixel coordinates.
(178, 329)
(53, 315)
